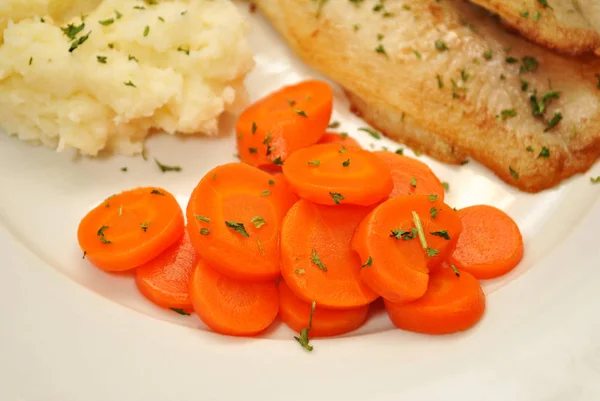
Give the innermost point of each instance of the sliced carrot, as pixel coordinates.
(234, 218)
(332, 174)
(317, 261)
(341, 139)
(274, 127)
(295, 313)
(491, 243)
(450, 304)
(281, 187)
(165, 280)
(411, 176)
(130, 229)
(396, 260)
(230, 306)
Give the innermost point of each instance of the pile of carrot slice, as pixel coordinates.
(310, 227)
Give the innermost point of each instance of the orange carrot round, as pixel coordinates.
(396, 258)
(295, 313)
(490, 245)
(332, 174)
(165, 280)
(274, 127)
(232, 307)
(340, 139)
(280, 187)
(317, 261)
(411, 177)
(130, 229)
(234, 218)
(450, 304)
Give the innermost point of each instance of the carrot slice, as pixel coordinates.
(234, 218)
(332, 174)
(232, 307)
(317, 261)
(130, 229)
(450, 304)
(281, 187)
(295, 313)
(491, 243)
(341, 139)
(165, 280)
(396, 260)
(411, 176)
(274, 127)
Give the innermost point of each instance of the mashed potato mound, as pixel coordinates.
(174, 66)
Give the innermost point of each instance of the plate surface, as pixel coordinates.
(72, 332)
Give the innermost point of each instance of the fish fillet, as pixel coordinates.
(447, 79)
(568, 26)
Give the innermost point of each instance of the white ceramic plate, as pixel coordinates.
(69, 332)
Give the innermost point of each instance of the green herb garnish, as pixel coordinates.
(303, 340)
(258, 221)
(317, 261)
(164, 168)
(337, 197)
(238, 227)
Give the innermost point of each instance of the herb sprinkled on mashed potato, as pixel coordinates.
(95, 75)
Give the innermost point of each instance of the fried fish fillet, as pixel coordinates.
(447, 79)
(568, 26)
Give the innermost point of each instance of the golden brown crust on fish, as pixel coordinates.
(462, 83)
(561, 26)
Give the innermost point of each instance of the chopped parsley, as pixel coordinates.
(258, 221)
(529, 64)
(368, 263)
(595, 180)
(440, 45)
(537, 15)
(185, 50)
(204, 231)
(146, 31)
(144, 226)
(446, 186)
(400, 151)
(455, 270)
(334, 125)
(315, 162)
(107, 22)
(317, 261)
(381, 50)
(416, 52)
(164, 168)
(524, 85)
(253, 129)
(202, 218)
(337, 197)
(157, 192)
(513, 173)
(511, 60)
(180, 311)
(442, 233)
(129, 83)
(101, 59)
(300, 113)
(266, 192)
(79, 42)
(433, 212)
(237, 227)
(303, 340)
(439, 81)
(72, 30)
(508, 113)
(278, 161)
(346, 163)
(544, 4)
(413, 182)
(271, 182)
(545, 152)
(433, 197)
(252, 150)
(553, 121)
(529, 148)
(371, 132)
(487, 54)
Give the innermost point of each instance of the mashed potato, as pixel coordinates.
(174, 66)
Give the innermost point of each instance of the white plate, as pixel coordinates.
(70, 332)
